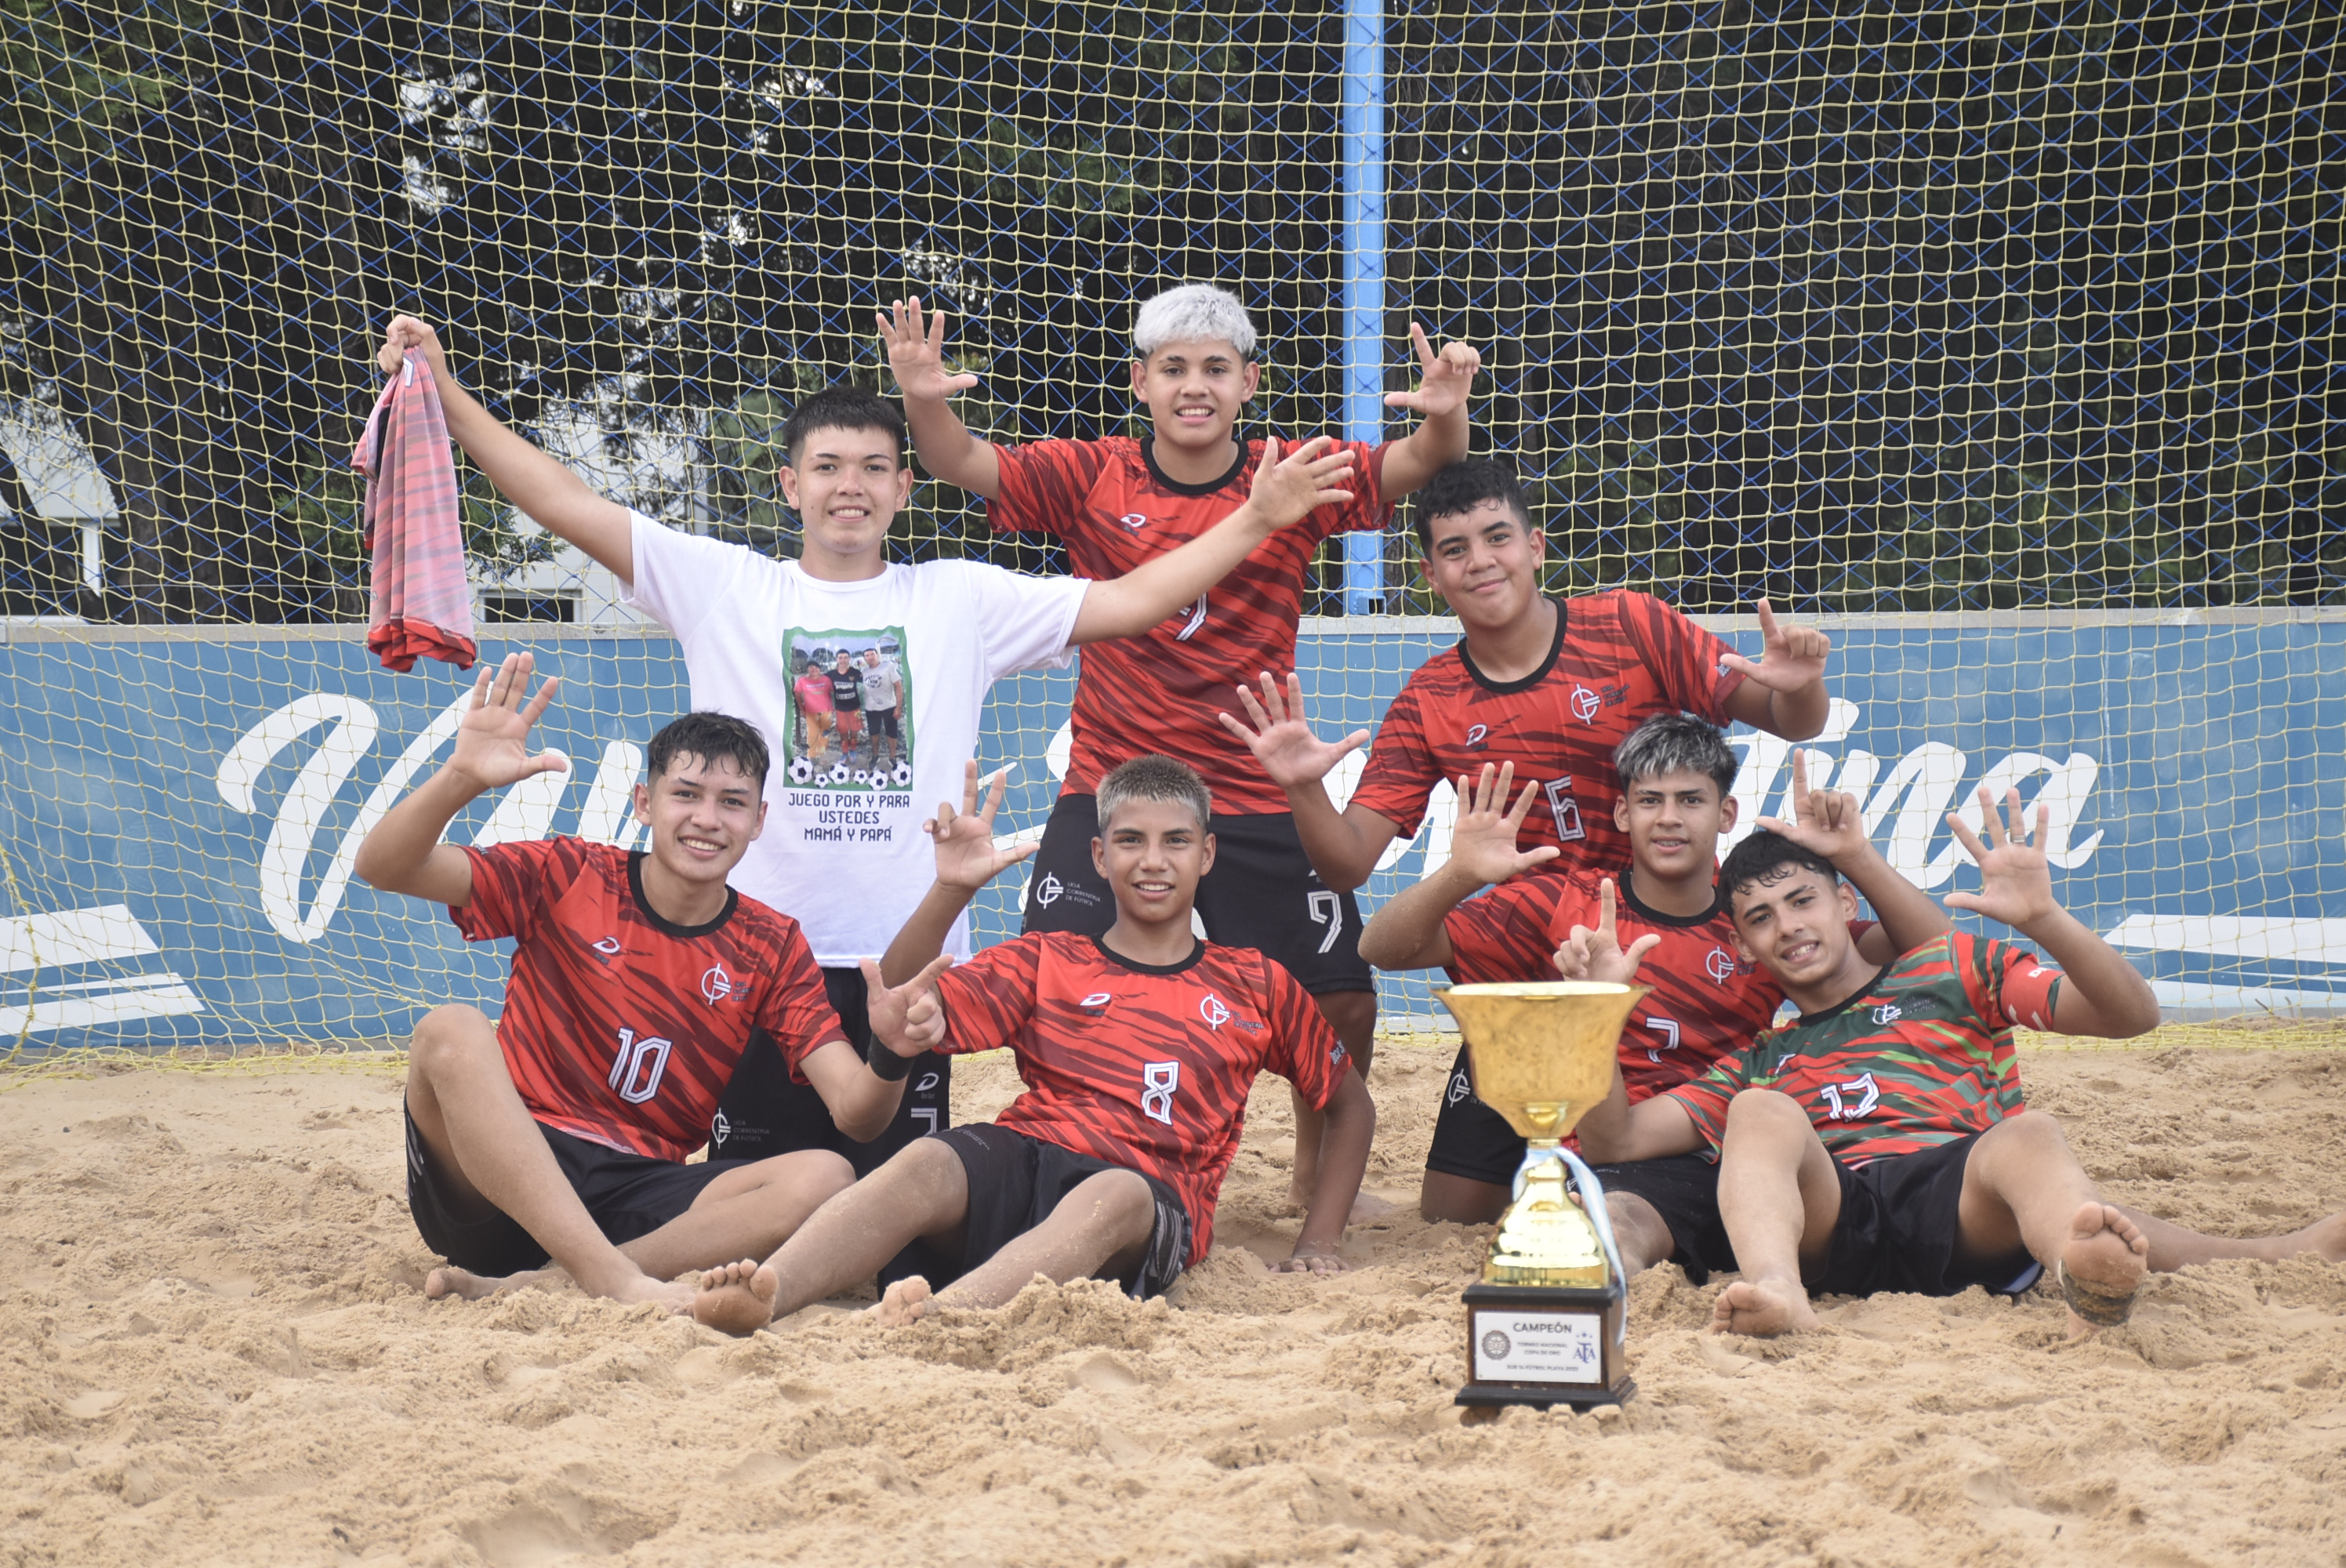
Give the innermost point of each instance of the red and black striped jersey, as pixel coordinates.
(1619, 659)
(1144, 1066)
(1920, 1057)
(620, 1027)
(1163, 690)
(1706, 1005)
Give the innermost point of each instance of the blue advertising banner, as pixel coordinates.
(182, 808)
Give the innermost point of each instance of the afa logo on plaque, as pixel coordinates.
(1539, 1347)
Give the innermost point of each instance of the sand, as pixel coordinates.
(213, 1349)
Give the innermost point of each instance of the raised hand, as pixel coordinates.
(1444, 380)
(1482, 843)
(2015, 879)
(489, 740)
(1824, 820)
(916, 353)
(908, 1018)
(1596, 954)
(1275, 731)
(1792, 658)
(406, 335)
(968, 855)
(1287, 490)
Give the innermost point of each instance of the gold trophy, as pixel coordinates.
(1544, 1323)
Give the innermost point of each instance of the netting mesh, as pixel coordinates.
(1871, 309)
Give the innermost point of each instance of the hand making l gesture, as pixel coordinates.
(1280, 737)
(968, 855)
(1596, 954)
(1287, 490)
(1444, 379)
(1482, 843)
(1824, 820)
(490, 749)
(908, 1018)
(916, 353)
(1792, 658)
(2015, 878)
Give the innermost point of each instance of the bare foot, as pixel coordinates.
(737, 1298)
(2325, 1238)
(907, 1301)
(467, 1285)
(2102, 1264)
(1762, 1308)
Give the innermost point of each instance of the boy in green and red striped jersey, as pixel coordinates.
(1876, 1143)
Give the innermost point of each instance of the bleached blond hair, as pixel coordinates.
(1193, 313)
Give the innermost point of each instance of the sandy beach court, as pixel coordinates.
(213, 1348)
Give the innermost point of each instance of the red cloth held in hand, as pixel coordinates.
(419, 605)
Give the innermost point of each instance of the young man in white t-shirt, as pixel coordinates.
(845, 855)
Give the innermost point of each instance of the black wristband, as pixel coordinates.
(884, 1062)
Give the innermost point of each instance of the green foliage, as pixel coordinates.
(327, 507)
(68, 92)
(1065, 171)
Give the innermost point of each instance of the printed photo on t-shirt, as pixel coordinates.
(851, 710)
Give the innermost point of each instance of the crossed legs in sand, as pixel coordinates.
(488, 1151)
(1100, 1227)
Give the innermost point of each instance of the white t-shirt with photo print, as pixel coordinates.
(842, 852)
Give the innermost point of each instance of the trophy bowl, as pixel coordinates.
(1542, 1050)
(1544, 1322)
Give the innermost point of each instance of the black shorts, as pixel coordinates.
(1261, 893)
(1015, 1181)
(764, 1112)
(883, 721)
(1474, 1142)
(1897, 1230)
(626, 1194)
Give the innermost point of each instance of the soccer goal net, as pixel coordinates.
(1999, 337)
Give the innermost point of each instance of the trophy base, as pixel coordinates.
(1544, 1345)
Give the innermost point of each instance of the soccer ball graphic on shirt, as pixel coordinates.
(863, 778)
(904, 776)
(801, 771)
(839, 773)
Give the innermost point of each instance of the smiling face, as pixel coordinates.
(1153, 853)
(846, 485)
(1194, 391)
(1485, 561)
(1674, 821)
(702, 814)
(1794, 922)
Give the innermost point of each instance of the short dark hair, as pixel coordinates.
(841, 406)
(713, 738)
(1153, 777)
(1763, 852)
(1463, 486)
(1677, 743)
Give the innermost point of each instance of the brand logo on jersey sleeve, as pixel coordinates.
(716, 986)
(1158, 1080)
(1213, 1010)
(1133, 522)
(1720, 964)
(1096, 1003)
(1476, 735)
(608, 948)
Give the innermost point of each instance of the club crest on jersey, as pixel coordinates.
(1887, 1013)
(1096, 1003)
(716, 986)
(1584, 704)
(1720, 964)
(1213, 1010)
(1047, 891)
(719, 1129)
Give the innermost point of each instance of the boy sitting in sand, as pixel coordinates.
(1676, 773)
(639, 980)
(1137, 1048)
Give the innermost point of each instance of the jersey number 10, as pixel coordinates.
(636, 1072)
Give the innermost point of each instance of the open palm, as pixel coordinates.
(492, 747)
(1276, 732)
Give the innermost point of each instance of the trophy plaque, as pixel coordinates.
(1544, 1323)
